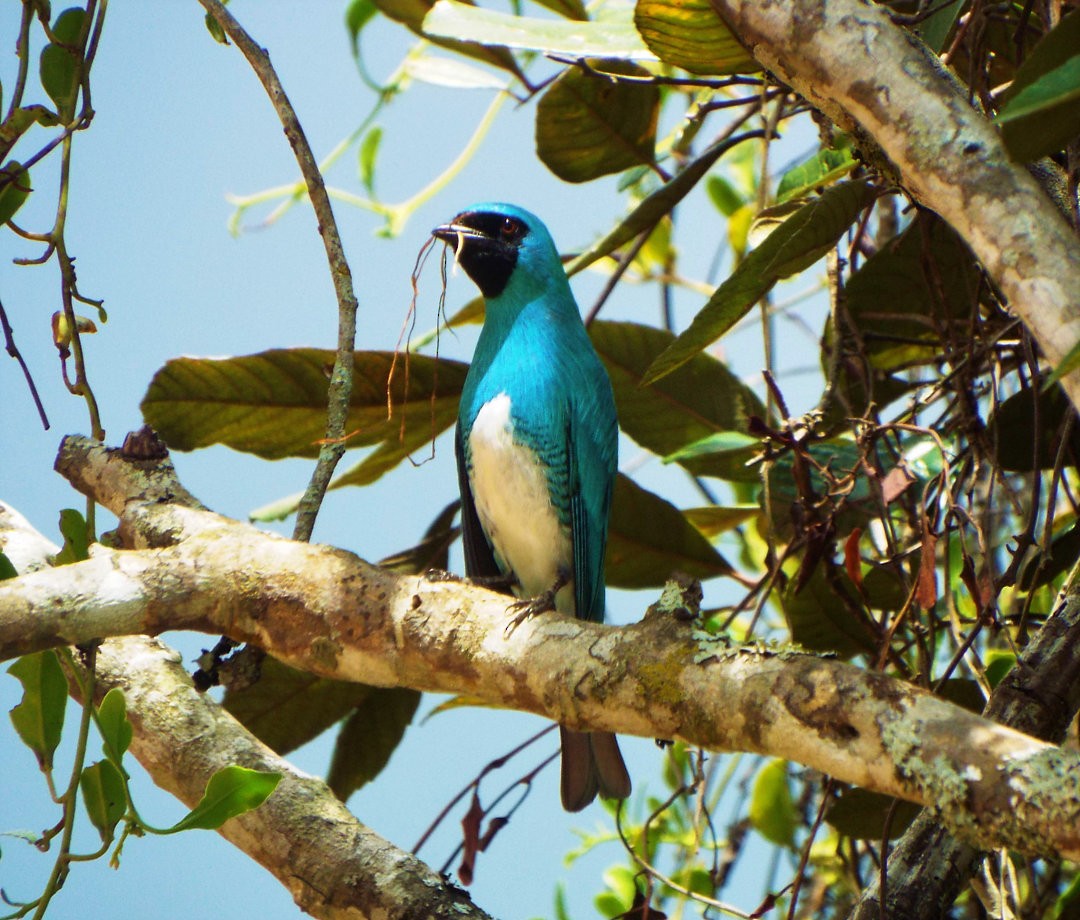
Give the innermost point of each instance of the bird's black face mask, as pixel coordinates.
(487, 247)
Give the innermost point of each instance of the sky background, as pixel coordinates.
(181, 122)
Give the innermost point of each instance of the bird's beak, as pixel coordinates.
(455, 233)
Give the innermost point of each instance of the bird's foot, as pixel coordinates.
(529, 607)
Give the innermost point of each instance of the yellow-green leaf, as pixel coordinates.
(772, 809)
(588, 126)
(649, 539)
(689, 34)
(796, 245)
(273, 404)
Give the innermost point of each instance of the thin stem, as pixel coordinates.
(341, 378)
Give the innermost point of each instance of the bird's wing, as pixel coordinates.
(479, 556)
(591, 456)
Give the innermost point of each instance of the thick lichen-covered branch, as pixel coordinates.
(327, 612)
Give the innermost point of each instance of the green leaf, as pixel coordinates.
(797, 244)
(823, 168)
(837, 475)
(689, 34)
(612, 37)
(15, 188)
(727, 454)
(1068, 364)
(217, 33)
(935, 28)
(998, 664)
(61, 64)
(1018, 444)
(652, 208)
(433, 552)
(104, 794)
(1041, 110)
(39, 717)
(370, 735)
(861, 815)
(7, 568)
(819, 620)
(76, 546)
(920, 286)
(286, 708)
(649, 538)
(369, 150)
(444, 71)
(232, 791)
(713, 520)
(415, 15)
(588, 126)
(700, 399)
(20, 121)
(273, 404)
(724, 195)
(114, 725)
(772, 809)
(357, 15)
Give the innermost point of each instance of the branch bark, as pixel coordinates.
(332, 864)
(876, 79)
(327, 612)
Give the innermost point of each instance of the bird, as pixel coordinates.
(537, 448)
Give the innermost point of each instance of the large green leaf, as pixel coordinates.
(286, 708)
(918, 290)
(588, 126)
(39, 717)
(699, 399)
(1021, 441)
(273, 404)
(796, 244)
(371, 734)
(612, 37)
(820, 620)
(689, 34)
(649, 539)
(1041, 111)
(413, 14)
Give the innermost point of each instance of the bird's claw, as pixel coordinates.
(529, 607)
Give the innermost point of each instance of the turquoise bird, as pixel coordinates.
(536, 445)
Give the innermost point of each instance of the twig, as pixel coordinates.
(13, 351)
(341, 379)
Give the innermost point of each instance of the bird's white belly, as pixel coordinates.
(510, 491)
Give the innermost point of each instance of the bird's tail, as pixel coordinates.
(591, 763)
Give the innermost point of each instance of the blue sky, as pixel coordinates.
(180, 123)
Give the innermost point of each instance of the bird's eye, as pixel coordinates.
(509, 228)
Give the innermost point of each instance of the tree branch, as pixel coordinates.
(333, 865)
(876, 79)
(327, 612)
(341, 378)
